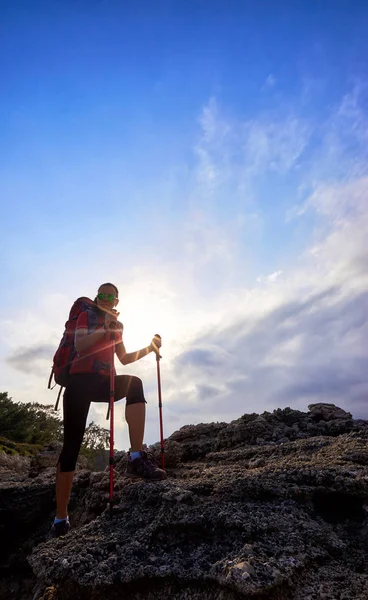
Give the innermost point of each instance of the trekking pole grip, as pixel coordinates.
(158, 355)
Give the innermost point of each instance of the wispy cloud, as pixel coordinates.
(353, 111)
(270, 82)
(302, 339)
(233, 152)
(31, 360)
(308, 343)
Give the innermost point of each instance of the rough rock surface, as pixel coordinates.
(47, 459)
(14, 467)
(270, 506)
(328, 412)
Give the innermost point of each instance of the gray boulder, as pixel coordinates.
(328, 412)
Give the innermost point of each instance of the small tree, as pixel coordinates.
(95, 441)
(36, 425)
(95, 437)
(30, 422)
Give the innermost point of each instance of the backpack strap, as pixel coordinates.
(51, 374)
(58, 398)
(93, 318)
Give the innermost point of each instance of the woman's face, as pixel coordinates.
(106, 297)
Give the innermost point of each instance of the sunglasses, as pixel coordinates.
(109, 297)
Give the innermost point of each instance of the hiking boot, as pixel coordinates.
(144, 467)
(59, 529)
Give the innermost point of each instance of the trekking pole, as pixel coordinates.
(111, 411)
(160, 406)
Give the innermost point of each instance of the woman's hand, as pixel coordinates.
(111, 318)
(156, 344)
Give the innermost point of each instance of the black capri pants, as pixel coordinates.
(82, 389)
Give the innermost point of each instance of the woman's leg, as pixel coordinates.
(135, 413)
(64, 483)
(135, 416)
(76, 407)
(131, 387)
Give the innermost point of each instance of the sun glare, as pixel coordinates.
(143, 318)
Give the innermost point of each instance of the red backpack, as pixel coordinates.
(66, 351)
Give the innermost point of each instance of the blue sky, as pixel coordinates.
(210, 158)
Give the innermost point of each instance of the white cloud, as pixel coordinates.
(304, 338)
(274, 146)
(352, 111)
(232, 153)
(340, 203)
(272, 277)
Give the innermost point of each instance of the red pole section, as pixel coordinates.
(160, 411)
(111, 408)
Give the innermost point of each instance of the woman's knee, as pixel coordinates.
(135, 393)
(67, 462)
(69, 453)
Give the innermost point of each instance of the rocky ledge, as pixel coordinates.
(270, 506)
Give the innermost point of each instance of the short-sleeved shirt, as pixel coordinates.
(96, 358)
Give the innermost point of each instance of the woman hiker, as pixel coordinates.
(89, 382)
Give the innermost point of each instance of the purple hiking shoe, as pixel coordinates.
(60, 529)
(144, 467)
